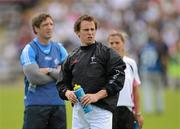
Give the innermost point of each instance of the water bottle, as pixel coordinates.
(136, 125)
(79, 92)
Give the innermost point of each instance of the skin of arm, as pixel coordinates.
(138, 115)
(88, 98)
(92, 98)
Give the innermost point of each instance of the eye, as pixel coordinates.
(92, 29)
(111, 43)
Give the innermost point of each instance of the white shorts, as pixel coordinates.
(97, 119)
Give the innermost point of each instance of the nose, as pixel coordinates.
(89, 32)
(113, 45)
(50, 26)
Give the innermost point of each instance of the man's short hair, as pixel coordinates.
(84, 18)
(37, 20)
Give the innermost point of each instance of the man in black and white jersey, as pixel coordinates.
(100, 72)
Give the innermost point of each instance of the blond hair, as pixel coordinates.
(120, 34)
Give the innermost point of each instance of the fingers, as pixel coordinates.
(140, 121)
(71, 96)
(87, 99)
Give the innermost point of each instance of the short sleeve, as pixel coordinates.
(136, 81)
(63, 53)
(27, 56)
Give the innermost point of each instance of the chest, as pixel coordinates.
(88, 64)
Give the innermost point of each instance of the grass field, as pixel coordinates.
(11, 110)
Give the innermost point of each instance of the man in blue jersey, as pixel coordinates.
(41, 60)
(151, 65)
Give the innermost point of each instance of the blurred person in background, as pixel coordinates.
(100, 72)
(152, 59)
(128, 106)
(41, 59)
(174, 67)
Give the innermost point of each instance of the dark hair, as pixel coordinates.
(84, 18)
(37, 20)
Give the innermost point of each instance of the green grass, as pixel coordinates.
(11, 107)
(170, 119)
(11, 110)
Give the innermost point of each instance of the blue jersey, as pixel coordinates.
(51, 55)
(150, 59)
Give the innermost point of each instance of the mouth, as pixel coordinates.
(49, 33)
(90, 38)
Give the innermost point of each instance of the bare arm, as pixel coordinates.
(88, 98)
(138, 115)
(92, 98)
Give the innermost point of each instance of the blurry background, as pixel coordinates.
(140, 19)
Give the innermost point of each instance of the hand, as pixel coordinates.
(140, 120)
(89, 98)
(71, 96)
(59, 68)
(44, 70)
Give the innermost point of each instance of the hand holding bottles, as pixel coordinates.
(71, 96)
(79, 92)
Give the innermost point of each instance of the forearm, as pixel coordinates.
(115, 73)
(101, 94)
(137, 114)
(116, 80)
(54, 72)
(92, 98)
(35, 76)
(136, 100)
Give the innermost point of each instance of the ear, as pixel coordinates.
(36, 29)
(77, 33)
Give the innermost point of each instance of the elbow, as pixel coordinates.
(33, 80)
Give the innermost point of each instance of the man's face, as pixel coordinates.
(87, 32)
(116, 43)
(46, 29)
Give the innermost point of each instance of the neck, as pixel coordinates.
(122, 54)
(43, 40)
(87, 44)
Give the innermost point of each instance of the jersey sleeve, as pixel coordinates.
(136, 81)
(115, 72)
(64, 53)
(27, 56)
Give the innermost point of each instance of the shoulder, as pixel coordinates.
(74, 52)
(102, 46)
(58, 45)
(28, 55)
(27, 49)
(129, 60)
(103, 49)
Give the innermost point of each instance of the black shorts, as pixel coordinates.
(44, 117)
(123, 118)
